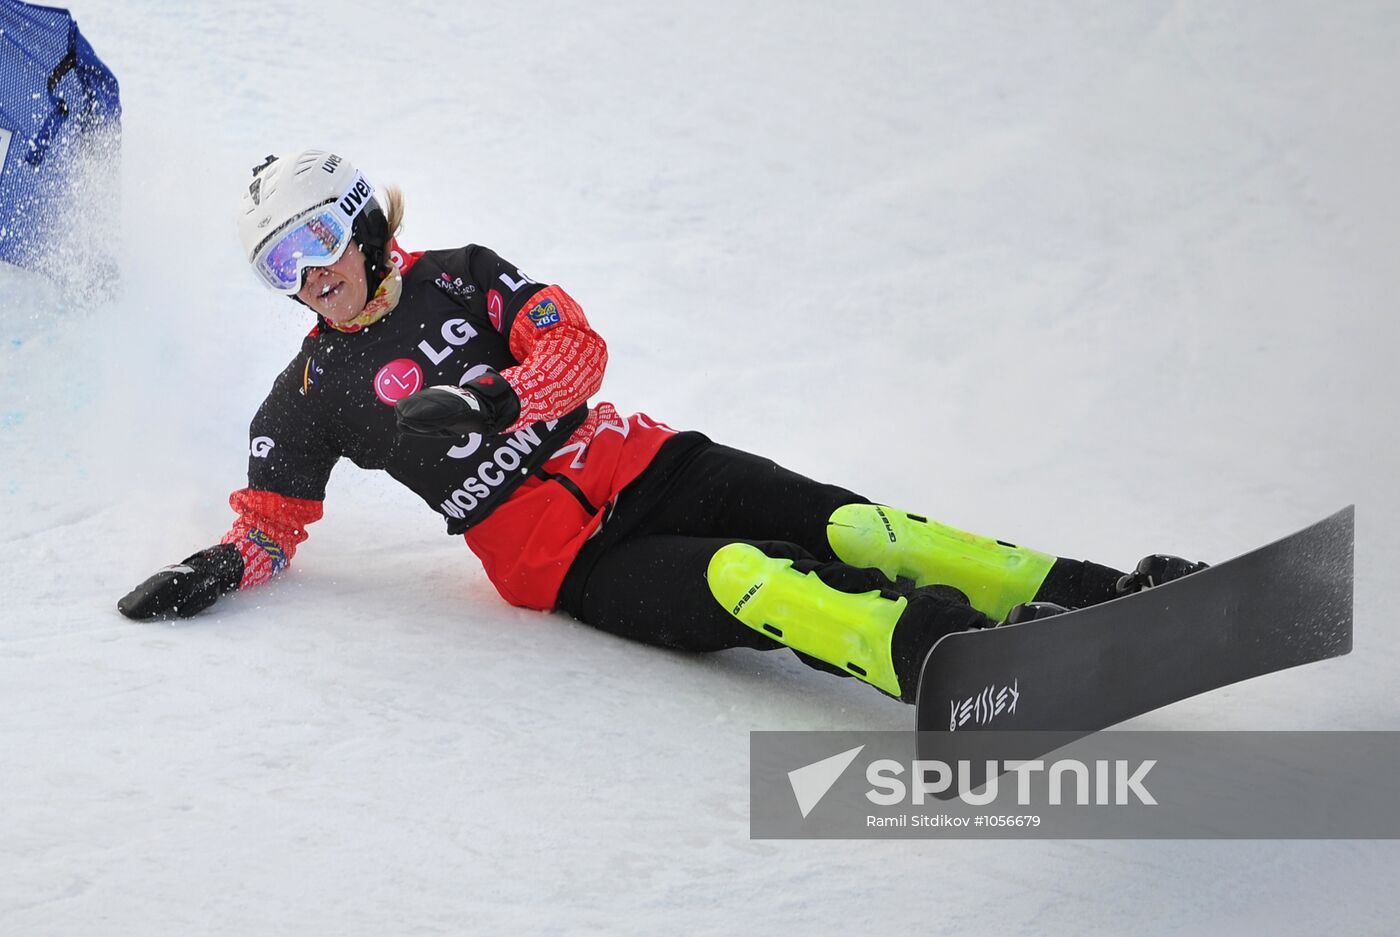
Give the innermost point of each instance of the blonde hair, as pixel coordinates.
(393, 208)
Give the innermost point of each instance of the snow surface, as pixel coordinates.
(1105, 278)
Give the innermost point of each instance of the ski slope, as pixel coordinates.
(1103, 278)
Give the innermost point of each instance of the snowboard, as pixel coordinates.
(1282, 605)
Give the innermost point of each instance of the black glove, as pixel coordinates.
(188, 587)
(486, 404)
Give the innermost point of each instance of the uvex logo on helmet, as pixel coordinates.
(352, 201)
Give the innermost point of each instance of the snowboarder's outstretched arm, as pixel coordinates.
(290, 457)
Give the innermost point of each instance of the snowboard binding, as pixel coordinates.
(1032, 611)
(1156, 570)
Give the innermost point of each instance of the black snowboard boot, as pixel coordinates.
(1075, 584)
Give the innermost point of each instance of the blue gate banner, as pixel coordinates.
(59, 111)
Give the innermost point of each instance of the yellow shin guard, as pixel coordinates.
(850, 631)
(994, 575)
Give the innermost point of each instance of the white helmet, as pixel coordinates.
(300, 212)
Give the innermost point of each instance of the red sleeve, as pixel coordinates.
(561, 357)
(268, 530)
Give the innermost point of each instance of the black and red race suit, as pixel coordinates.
(611, 519)
(526, 499)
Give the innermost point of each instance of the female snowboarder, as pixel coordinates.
(468, 381)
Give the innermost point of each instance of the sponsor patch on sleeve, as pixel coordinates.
(270, 547)
(543, 314)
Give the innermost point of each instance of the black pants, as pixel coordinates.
(643, 575)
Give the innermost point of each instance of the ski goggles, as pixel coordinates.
(315, 238)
